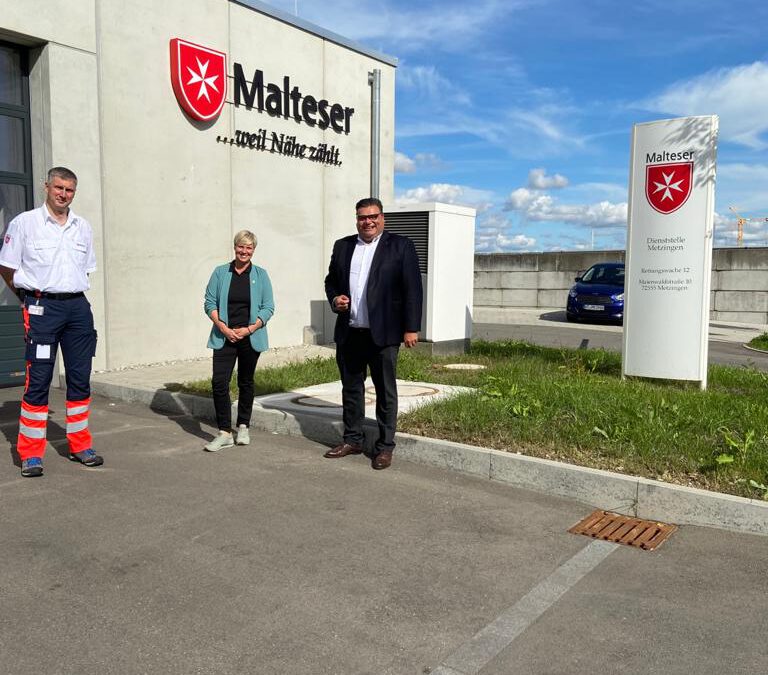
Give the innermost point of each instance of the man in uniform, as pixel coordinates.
(46, 258)
(374, 286)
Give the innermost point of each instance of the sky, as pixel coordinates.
(523, 109)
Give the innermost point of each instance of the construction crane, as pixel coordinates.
(740, 222)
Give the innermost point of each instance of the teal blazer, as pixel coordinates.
(262, 304)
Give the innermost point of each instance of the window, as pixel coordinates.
(15, 195)
(15, 150)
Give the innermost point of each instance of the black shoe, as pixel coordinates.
(87, 458)
(32, 467)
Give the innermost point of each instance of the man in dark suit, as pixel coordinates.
(374, 286)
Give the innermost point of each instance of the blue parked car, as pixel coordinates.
(598, 294)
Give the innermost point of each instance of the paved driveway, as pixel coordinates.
(270, 559)
(551, 330)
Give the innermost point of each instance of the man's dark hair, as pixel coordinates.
(369, 201)
(62, 172)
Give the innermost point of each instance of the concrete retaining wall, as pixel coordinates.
(506, 281)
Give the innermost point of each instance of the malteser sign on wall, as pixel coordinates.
(669, 248)
(199, 80)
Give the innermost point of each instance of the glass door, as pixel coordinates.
(15, 195)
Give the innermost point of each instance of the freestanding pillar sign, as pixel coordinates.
(669, 249)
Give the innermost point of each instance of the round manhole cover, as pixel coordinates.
(325, 401)
(463, 366)
(410, 390)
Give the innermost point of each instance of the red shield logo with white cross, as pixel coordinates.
(668, 186)
(199, 78)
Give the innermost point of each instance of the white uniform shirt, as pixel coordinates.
(47, 256)
(359, 270)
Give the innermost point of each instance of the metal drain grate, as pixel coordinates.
(645, 534)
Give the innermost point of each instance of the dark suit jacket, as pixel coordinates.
(394, 292)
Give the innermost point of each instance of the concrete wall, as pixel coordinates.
(174, 196)
(505, 281)
(163, 196)
(65, 22)
(65, 129)
(740, 285)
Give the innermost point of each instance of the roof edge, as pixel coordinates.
(308, 27)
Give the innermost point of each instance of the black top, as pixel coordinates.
(239, 303)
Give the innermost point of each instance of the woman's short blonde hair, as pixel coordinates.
(245, 237)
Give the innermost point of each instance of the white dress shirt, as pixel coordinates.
(358, 282)
(47, 256)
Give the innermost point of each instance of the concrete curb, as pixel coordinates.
(640, 497)
(629, 495)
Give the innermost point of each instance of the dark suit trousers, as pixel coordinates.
(354, 357)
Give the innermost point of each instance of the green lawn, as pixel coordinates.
(572, 406)
(760, 342)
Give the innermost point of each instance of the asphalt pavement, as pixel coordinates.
(549, 328)
(270, 559)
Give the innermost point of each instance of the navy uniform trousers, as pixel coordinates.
(66, 321)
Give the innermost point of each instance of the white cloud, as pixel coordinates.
(427, 81)
(536, 205)
(495, 234)
(537, 131)
(517, 241)
(428, 159)
(611, 239)
(538, 180)
(438, 192)
(416, 28)
(744, 186)
(544, 122)
(755, 230)
(613, 192)
(738, 95)
(449, 194)
(521, 199)
(524, 138)
(404, 164)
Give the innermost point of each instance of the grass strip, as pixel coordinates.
(289, 377)
(572, 405)
(760, 342)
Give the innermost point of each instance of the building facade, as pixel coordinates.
(125, 94)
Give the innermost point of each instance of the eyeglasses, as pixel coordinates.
(372, 216)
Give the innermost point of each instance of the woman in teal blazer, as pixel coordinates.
(239, 302)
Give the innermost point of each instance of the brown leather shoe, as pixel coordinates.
(383, 460)
(343, 450)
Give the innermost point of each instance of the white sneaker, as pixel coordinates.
(243, 437)
(223, 440)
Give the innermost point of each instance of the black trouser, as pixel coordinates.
(354, 357)
(223, 365)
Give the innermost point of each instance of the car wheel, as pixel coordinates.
(571, 318)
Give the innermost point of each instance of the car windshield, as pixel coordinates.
(604, 274)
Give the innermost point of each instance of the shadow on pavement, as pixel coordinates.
(558, 316)
(57, 434)
(172, 407)
(9, 415)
